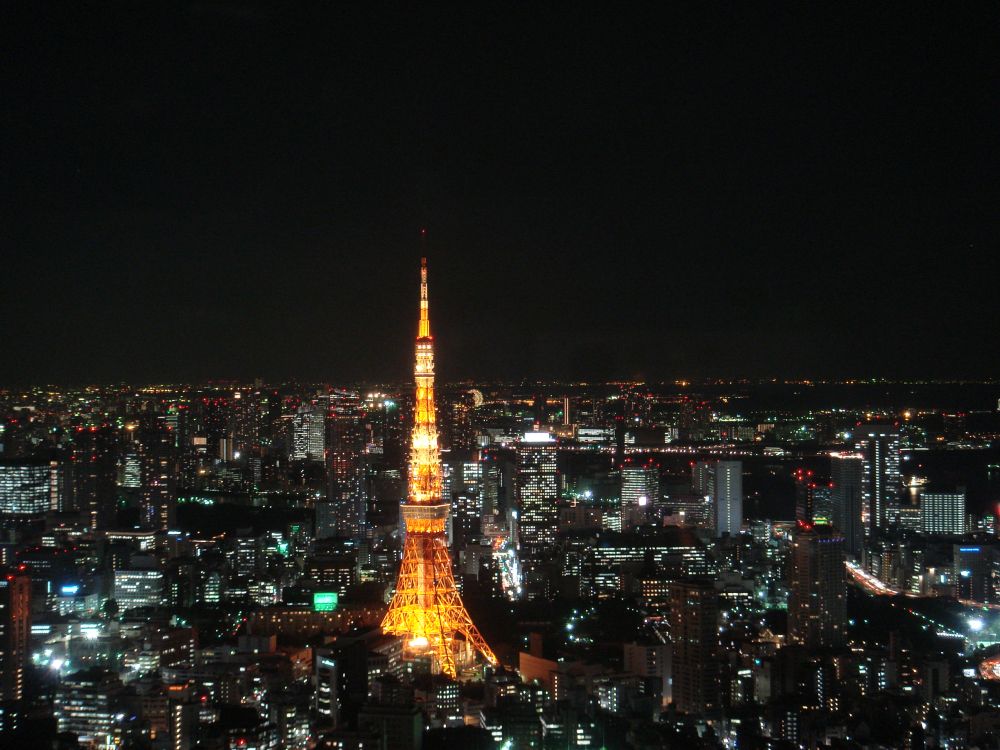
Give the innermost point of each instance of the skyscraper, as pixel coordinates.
(879, 447)
(640, 488)
(640, 484)
(158, 475)
(426, 611)
(817, 604)
(537, 491)
(466, 501)
(694, 628)
(346, 497)
(847, 477)
(95, 470)
(942, 512)
(722, 483)
(246, 421)
(308, 433)
(15, 628)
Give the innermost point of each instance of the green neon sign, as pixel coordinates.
(325, 601)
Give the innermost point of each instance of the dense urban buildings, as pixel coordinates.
(703, 452)
(711, 571)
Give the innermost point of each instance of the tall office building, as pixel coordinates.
(138, 588)
(131, 469)
(538, 491)
(847, 479)
(942, 512)
(489, 491)
(694, 628)
(722, 483)
(15, 629)
(817, 604)
(879, 447)
(971, 572)
(29, 487)
(466, 501)
(308, 433)
(326, 699)
(88, 704)
(640, 484)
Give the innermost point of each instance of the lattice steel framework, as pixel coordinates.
(426, 610)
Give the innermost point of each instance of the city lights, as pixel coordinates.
(702, 450)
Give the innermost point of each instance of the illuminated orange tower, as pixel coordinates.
(427, 610)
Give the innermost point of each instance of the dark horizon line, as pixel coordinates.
(510, 382)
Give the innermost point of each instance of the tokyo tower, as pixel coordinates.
(426, 610)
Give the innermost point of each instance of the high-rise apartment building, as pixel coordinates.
(158, 478)
(650, 660)
(15, 629)
(95, 471)
(694, 628)
(722, 483)
(346, 497)
(879, 447)
(699, 477)
(246, 421)
(847, 486)
(817, 605)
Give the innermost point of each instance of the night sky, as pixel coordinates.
(231, 190)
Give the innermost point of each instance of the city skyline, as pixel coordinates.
(312, 566)
(702, 452)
